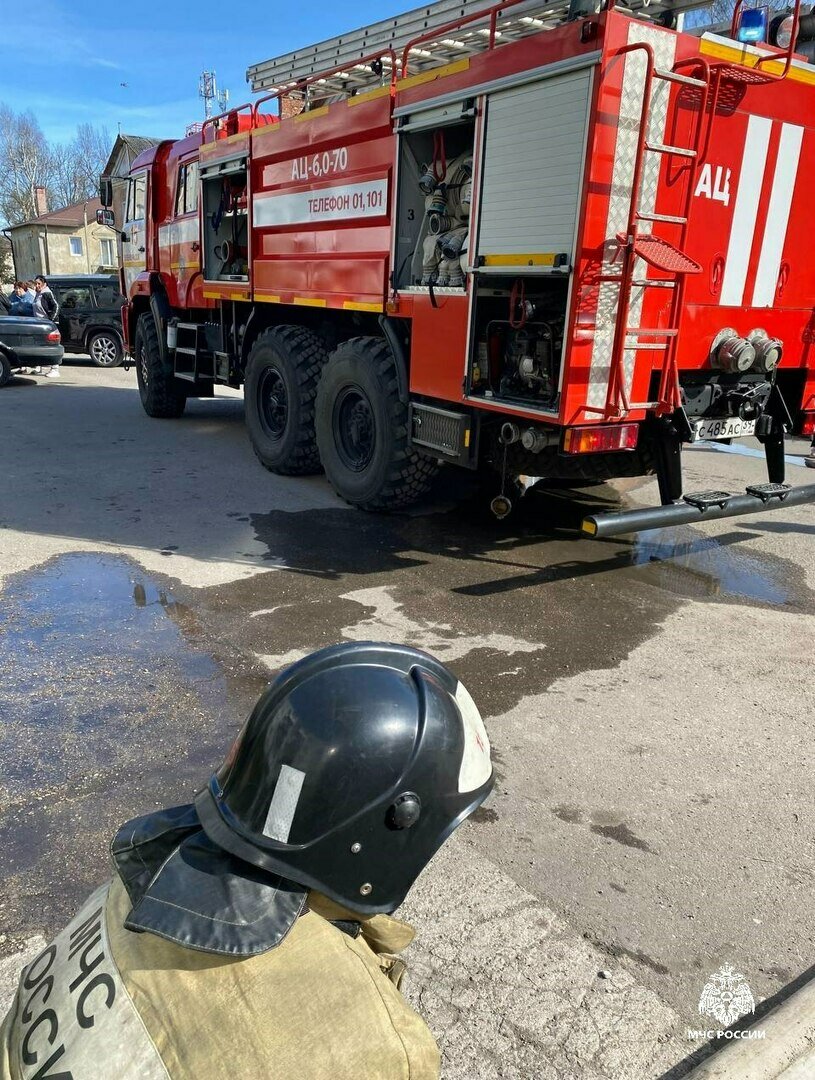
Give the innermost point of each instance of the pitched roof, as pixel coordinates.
(134, 144)
(137, 143)
(72, 216)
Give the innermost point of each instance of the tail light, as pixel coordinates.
(808, 426)
(54, 337)
(593, 440)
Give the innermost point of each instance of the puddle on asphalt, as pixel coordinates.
(98, 676)
(538, 546)
(709, 567)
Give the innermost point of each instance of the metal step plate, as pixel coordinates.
(703, 499)
(765, 492)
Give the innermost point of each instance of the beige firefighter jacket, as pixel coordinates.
(103, 1003)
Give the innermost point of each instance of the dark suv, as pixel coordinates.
(90, 316)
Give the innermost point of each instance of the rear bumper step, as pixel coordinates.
(758, 498)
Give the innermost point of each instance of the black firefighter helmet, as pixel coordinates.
(353, 769)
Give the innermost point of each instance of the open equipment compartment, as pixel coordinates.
(534, 150)
(225, 220)
(435, 189)
(517, 341)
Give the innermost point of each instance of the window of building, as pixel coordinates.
(108, 254)
(76, 244)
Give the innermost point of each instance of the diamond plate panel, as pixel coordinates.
(631, 109)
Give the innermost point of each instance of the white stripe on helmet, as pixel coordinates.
(476, 767)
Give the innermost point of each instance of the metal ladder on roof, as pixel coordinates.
(638, 245)
(438, 33)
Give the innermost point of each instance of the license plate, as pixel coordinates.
(728, 428)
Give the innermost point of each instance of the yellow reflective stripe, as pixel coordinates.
(310, 114)
(750, 60)
(381, 91)
(267, 298)
(210, 148)
(434, 73)
(307, 301)
(546, 258)
(267, 129)
(352, 305)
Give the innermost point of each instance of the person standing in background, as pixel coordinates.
(46, 307)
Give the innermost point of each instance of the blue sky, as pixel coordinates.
(67, 63)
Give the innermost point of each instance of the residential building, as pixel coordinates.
(66, 241)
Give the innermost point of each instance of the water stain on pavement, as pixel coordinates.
(623, 835)
(112, 706)
(616, 950)
(604, 824)
(587, 603)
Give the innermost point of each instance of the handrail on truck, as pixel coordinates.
(455, 24)
(215, 121)
(303, 85)
(787, 54)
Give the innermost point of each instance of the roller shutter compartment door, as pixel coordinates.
(533, 159)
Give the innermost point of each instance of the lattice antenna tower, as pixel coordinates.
(208, 90)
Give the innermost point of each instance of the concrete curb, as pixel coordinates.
(786, 1052)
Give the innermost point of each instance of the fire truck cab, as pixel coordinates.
(529, 238)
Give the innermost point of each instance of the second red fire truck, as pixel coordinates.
(531, 238)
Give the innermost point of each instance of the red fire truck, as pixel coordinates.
(532, 238)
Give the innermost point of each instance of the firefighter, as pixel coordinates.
(248, 934)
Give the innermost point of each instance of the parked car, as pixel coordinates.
(90, 316)
(27, 342)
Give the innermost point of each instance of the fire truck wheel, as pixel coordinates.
(158, 389)
(362, 429)
(281, 382)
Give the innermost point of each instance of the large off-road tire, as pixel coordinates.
(362, 429)
(105, 349)
(282, 373)
(158, 387)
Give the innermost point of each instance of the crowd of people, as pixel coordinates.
(35, 299)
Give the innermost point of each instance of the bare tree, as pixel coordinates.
(25, 163)
(76, 166)
(68, 171)
(6, 266)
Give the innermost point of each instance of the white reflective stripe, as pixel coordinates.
(476, 767)
(74, 1016)
(743, 227)
(284, 804)
(183, 231)
(778, 215)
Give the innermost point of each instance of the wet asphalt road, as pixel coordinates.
(649, 700)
